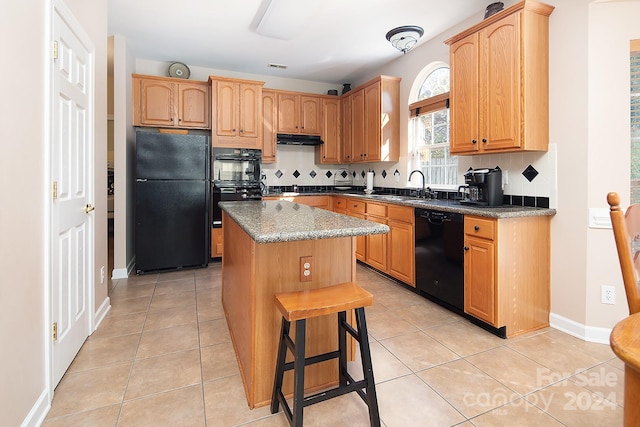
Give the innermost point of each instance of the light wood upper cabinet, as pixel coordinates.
(330, 150)
(170, 102)
(500, 82)
(299, 113)
(269, 123)
(236, 113)
(346, 140)
(375, 121)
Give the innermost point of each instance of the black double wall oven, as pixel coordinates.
(235, 177)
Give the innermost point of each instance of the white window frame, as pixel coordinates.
(426, 106)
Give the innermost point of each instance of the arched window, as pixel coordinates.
(429, 128)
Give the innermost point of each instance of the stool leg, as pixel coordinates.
(342, 347)
(365, 354)
(298, 374)
(282, 354)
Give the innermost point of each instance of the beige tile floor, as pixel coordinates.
(163, 357)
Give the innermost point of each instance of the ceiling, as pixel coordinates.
(330, 41)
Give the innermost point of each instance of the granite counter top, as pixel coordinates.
(504, 211)
(274, 221)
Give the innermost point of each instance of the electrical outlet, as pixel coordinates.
(102, 275)
(305, 268)
(608, 294)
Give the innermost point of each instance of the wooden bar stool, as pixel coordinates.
(302, 305)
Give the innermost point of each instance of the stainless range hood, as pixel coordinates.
(295, 139)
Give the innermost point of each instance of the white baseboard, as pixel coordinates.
(101, 313)
(123, 273)
(38, 411)
(578, 330)
(119, 273)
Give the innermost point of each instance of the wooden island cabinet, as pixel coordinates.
(270, 238)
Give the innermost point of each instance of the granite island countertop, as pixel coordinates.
(275, 221)
(445, 205)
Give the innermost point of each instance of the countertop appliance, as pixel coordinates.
(439, 256)
(484, 187)
(172, 201)
(236, 177)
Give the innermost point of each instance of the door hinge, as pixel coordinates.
(54, 331)
(54, 190)
(54, 50)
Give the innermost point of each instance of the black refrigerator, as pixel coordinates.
(172, 201)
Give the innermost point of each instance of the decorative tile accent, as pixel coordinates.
(363, 174)
(329, 174)
(354, 174)
(296, 173)
(384, 173)
(279, 173)
(530, 173)
(344, 174)
(312, 174)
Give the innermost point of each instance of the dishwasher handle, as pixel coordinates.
(437, 217)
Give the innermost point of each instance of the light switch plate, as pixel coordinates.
(599, 218)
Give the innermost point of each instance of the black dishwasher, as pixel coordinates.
(439, 248)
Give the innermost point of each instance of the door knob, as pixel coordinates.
(89, 207)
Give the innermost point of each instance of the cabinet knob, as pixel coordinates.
(234, 129)
(473, 141)
(484, 140)
(241, 130)
(466, 248)
(477, 227)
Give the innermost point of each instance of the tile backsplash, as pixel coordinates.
(530, 178)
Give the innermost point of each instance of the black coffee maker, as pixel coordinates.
(483, 187)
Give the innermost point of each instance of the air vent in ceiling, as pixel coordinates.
(284, 67)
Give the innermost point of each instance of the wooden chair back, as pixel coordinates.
(626, 231)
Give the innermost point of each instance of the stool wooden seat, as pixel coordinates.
(301, 305)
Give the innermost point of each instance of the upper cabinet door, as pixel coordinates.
(464, 95)
(194, 102)
(330, 151)
(269, 120)
(310, 115)
(227, 108)
(500, 111)
(250, 102)
(372, 123)
(156, 103)
(288, 113)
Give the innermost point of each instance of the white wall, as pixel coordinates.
(124, 160)
(24, 223)
(611, 26)
(22, 219)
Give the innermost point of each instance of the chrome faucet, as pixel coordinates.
(422, 192)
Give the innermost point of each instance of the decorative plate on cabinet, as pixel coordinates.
(180, 70)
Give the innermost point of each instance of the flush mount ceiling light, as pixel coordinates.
(405, 37)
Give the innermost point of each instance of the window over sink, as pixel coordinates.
(429, 128)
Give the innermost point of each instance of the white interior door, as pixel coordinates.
(72, 176)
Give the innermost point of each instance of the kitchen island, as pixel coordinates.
(280, 246)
